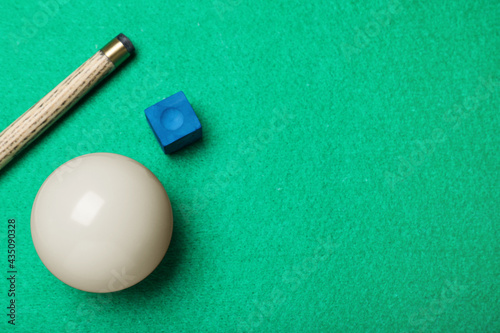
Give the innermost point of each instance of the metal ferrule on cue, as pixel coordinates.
(45, 112)
(116, 52)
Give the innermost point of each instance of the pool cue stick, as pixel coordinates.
(40, 116)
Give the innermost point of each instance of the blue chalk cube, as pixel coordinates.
(174, 122)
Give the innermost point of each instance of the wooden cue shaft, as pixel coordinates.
(45, 112)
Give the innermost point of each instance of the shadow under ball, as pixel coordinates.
(101, 222)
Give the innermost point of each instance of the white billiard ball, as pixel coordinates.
(101, 222)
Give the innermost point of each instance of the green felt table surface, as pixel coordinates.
(347, 180)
